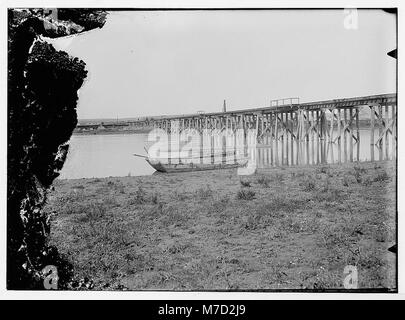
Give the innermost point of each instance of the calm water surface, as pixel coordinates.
(112, 155)
(105, 155)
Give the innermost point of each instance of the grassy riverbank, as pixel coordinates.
(284, 228)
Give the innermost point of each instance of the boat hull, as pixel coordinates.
(190, 167)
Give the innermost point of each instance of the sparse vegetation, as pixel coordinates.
(246, 194)
(324, 170)
(220, 205)
(279, 177)
(383, 176)
(245, 183)
(263, 181)
(204, 231)
(204, 193)
(346, 181)
(308, 184)
(140, 196)
(155, 198)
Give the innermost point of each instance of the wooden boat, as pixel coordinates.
(188, 167)
(191, 164)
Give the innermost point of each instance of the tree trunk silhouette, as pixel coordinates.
(42, 98)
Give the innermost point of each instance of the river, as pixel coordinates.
(98, 156)
(105, 155)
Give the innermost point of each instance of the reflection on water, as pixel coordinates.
(112, 155)
(315, 151)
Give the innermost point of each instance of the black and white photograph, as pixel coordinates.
(201, 149)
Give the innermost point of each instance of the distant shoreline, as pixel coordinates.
(108, 132)
(362, 126)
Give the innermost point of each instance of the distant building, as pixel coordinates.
(224, 107)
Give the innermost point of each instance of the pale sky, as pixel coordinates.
(175, 62)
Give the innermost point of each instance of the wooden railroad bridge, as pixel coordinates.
(291, 133)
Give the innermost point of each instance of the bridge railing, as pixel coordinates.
(284, 102)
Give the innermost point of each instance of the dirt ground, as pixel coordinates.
(282, 228)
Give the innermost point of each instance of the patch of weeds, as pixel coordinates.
(71, 208)
(120, 188)
(300, 174)
(155, 198)
(358, 177)
(367, 182)
(271, 210)
(348, 180)
(325, 186)
(298, 224)
(180, 195)
(279, 178)
(383, 176)
(245, 183)
(358, 171)
(357, 229)
(163, 277)
(138, 263)
(251, 222)
(70, 199)
(277, 273)
(283, 204)
(110, 201)
(280, 234)
(371, 260)
(103, 255)
(263, 181)
(157, 210)
(291, 224)
(175, 248)
(382, 235)
(328, 195)
(140, 196)
(321, 279)
(244, 194)
(339, 237)
(92, 212)
(324, 170)
(262, 217)
(308, 184)
(311, 225)
(204, 193)
(219, 205)
(173, 217)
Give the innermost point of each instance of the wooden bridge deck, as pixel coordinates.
(382, 99)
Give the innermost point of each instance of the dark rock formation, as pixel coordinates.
(42, 98)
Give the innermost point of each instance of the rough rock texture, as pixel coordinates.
(42, 98)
